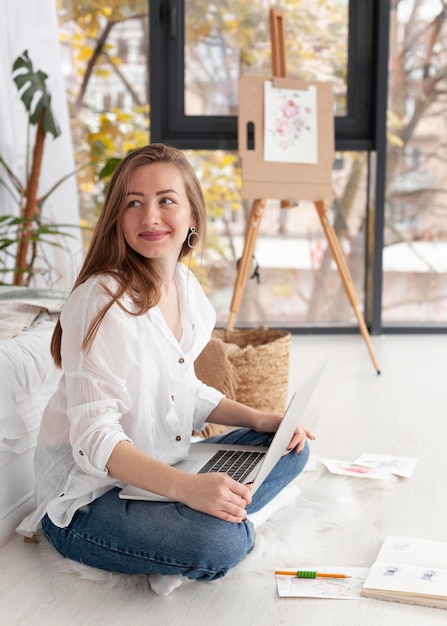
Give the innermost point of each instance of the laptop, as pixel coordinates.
(246, 464)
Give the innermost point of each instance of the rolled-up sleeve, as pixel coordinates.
(207, 398)
(93, 445)
(97, 395)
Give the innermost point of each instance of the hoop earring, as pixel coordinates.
(189, 240)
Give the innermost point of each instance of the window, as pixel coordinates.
(415, 234)
(198, 54)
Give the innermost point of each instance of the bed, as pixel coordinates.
(27, 379)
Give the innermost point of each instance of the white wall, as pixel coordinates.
(32, 25)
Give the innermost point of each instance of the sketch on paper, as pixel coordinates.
(345, 468)
(398, 465)
(330, 588)
(290, 125)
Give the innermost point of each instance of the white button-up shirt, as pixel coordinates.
(136, 383)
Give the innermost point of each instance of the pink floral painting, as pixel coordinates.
(290, 131)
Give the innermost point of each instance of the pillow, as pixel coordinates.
(214, 368)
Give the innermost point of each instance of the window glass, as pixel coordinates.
(415, 251)
(226, 39)
(104, 61)
(294, 280)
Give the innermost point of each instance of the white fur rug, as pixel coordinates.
(292, 536)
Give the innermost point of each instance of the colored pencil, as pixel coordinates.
(307, 574)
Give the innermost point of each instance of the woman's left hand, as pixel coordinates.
(299, 439)
(269, 423)
(231, 413)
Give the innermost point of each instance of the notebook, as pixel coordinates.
(412, 571)
(247, 464)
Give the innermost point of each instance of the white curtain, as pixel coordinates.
(32, 25)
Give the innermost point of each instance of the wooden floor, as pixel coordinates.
(403, 411)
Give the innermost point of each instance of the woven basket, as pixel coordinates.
(214, 367)
(260, 357)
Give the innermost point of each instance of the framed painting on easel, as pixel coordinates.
(286, 138)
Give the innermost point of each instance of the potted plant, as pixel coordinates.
(22, 234)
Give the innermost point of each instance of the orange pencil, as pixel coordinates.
(306, 574)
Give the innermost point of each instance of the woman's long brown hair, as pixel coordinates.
(109, 253)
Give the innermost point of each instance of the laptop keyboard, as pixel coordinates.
(237, 463)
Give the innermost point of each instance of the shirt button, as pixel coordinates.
(172, 397)
(181, 360)
(81, 452)
(178, 438)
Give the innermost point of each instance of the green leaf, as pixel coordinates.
(34, 93)
(109, 167)
(12, 220)
(15, 181)
(5, 243)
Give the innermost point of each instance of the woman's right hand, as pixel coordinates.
(216, 494)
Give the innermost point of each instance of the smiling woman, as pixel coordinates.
(159, 215)
(127, 415)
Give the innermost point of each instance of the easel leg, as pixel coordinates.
(254, 222)
(345, 276)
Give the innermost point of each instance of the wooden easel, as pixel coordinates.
(279, 69)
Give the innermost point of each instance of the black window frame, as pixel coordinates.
(169, 124)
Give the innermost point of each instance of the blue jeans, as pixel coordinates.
(139, 537)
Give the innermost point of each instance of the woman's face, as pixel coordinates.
(158, 214)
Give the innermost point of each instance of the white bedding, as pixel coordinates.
(27, 375)
(28, 379)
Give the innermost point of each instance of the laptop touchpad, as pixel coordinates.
(187, 465)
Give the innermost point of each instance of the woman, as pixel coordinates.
(129, 399)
